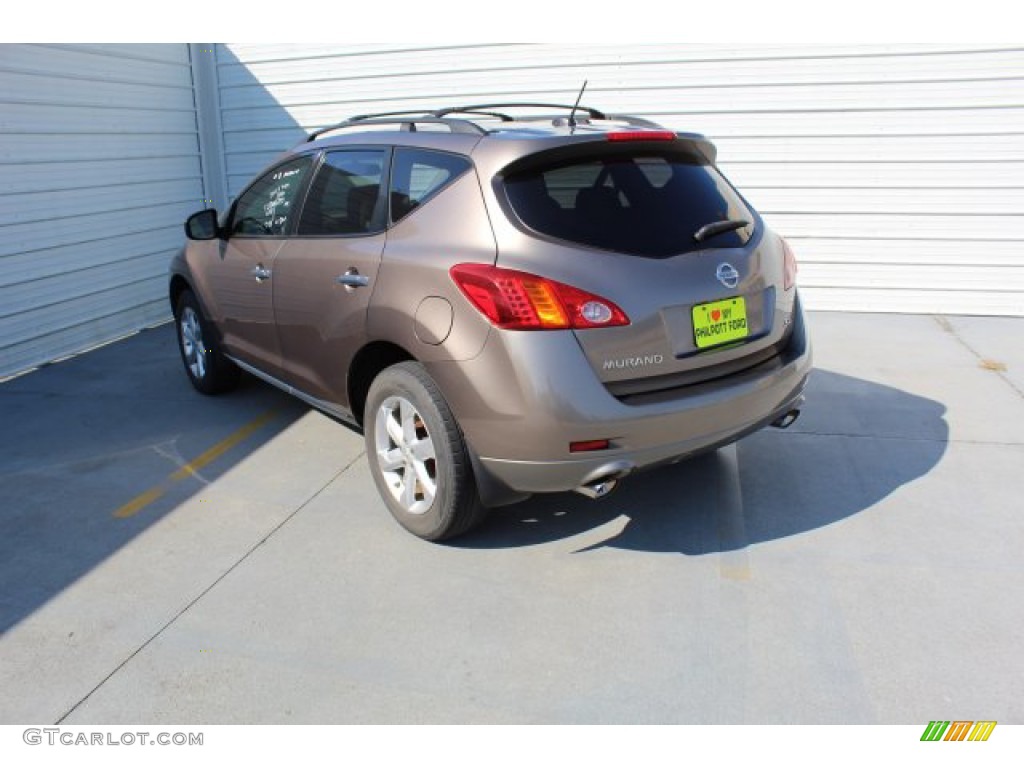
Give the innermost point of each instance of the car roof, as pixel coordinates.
(466, 129)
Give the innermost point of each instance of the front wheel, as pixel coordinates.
(207, 368)
(417, 455)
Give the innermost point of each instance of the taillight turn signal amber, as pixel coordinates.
(525, 302)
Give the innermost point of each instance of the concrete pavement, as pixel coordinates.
(170, 558)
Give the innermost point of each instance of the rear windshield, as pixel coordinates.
(648, 204)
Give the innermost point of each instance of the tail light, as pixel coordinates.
(789, 266)
(525, 302)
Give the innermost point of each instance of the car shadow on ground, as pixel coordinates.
(86, 435)
(856, 443)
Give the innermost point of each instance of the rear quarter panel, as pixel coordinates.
(413, 281)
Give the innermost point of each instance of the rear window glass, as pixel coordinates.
(644, 204)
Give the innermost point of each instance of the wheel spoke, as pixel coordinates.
(394, 429)
(427, 483)
(408, 488)
(409, 419)
(391, 460)
(200, 361)
(422, 450)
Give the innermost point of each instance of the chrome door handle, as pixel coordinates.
(260, 272)
(352, 279)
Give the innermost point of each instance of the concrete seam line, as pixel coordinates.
(947, 326)
(205, 591)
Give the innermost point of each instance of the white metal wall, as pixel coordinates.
(100, 165)
(897, 171)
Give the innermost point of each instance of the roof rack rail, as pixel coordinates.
(406, 119)
(397, 113)
(595, 114)
(443, 113)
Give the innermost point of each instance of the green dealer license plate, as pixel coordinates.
(719, 322)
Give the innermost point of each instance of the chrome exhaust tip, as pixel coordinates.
(598, 489)
(786, 419)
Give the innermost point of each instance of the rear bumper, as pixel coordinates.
(552, 476)
(519, 420)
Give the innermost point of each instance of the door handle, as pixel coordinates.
(352, 279)
(260, 272)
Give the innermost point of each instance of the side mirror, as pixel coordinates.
(202, 225)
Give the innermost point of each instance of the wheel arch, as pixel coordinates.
(374, 358)
(367, 363)
(178, 286)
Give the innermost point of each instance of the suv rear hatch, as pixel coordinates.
(653, 227)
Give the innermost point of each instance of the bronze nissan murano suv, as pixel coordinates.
(504, 304)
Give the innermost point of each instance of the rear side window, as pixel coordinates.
(345, 195)
(648, 204)
(418, 174)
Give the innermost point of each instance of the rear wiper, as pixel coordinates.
(718, 227)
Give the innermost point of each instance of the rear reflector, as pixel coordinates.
(581, 446)
(641, 136)
(521, 301)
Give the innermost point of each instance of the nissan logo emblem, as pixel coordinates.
(727, 275)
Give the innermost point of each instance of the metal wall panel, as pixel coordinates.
(897, 171)
(100, 165)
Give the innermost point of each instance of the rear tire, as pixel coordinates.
(418, 456)
(207, 368)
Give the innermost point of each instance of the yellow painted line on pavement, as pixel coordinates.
(146, 498)
(223, 446)
(140, 501)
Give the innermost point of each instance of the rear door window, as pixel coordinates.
(648, 204)
(344, 198)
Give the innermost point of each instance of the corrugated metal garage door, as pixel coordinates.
(897, 171)
(100, 165)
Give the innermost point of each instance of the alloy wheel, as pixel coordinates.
(406, 455)
(192, 343)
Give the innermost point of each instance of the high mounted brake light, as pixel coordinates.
(641, 136)
(524, 302)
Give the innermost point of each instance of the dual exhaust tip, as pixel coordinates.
(604, 480)
(598, 489)
(787, 419)
(608, 478)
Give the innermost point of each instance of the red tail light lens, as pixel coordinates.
(789, 267)
(641, 136)
(525, 302)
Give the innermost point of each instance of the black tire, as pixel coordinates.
(403, 469)
(207, 368)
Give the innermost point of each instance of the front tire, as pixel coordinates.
(207, 368)
(417, 455)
